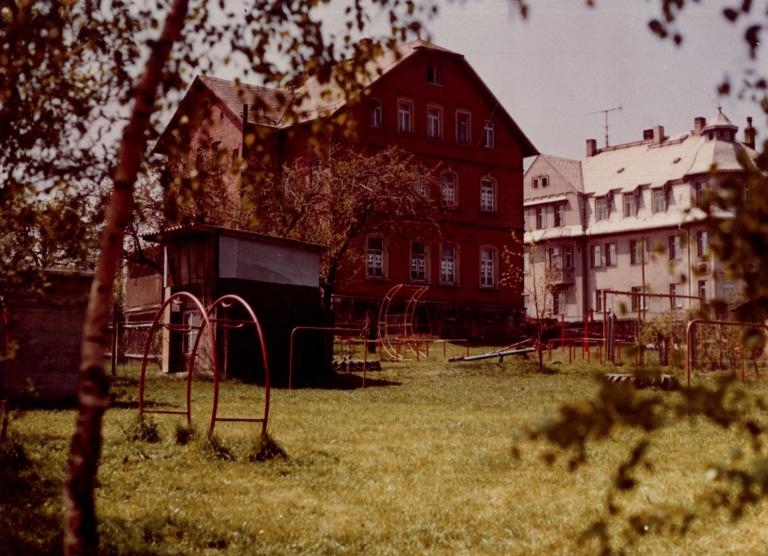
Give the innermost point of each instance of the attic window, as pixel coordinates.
(676, 160)
(434, 75)
(620, 170)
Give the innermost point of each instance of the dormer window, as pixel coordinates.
(630, 204)
(602, 208)
(434, 74)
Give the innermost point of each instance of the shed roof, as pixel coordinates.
(179, 232)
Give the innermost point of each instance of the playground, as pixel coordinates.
(419, 461)
(415, 444)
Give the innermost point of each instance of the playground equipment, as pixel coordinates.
(205, 329)
(519, 349)
(397, 328)
(735, 353)
(639, 306)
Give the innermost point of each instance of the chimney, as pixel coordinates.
(749, 134)
(658, 134)
(647, 134)
(698, 125)
(591, 147)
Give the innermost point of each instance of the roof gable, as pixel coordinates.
(313, 99)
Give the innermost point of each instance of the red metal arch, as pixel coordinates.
(156, 324)
(227, 302)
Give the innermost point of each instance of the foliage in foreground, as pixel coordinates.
(733, 486)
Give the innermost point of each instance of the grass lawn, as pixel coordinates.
(420, 463)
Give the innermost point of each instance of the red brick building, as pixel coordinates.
(431, 102)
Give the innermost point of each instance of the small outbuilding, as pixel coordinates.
(40, 336)
(279, 278)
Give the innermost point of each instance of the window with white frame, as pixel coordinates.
(636, 251)
(700, 189)
(559, 209)
(488, 267)
(419, 264)
(602, 208)
(315, 168)
(434, 74)
(659, 200)
(404, 116)
(675, 290)
(375, 113)
(703, 289)
(675, 247)
(629, 201)
(555, 258)
(421, 182)
(598, 304)
(489, 134)
(540, 181)
(541, 218)
(375, 257)
(596, 256)
(434, 121)
(568, 256)
(610, 254)
(638, 301)
(463, 127)
(488, 195)
(449, 185)
(448, 264)
(702, 244)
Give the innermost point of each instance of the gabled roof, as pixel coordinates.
(569, 169)
(312, 99)
(270, 104)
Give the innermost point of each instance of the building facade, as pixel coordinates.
(626, 218)
(429, 101)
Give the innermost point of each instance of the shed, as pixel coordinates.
(40, 335)
(278, 277)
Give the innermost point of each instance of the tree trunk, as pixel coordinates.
(80, 528)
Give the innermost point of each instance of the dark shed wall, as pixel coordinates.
(279, 309)
(47, 330)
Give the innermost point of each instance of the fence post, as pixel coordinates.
(115, 343)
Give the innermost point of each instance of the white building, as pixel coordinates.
(625, 218)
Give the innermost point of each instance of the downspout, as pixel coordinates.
(643, 240)
(584, 268)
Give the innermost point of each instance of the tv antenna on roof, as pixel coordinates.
(605, 113)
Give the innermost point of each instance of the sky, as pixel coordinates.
(553, 71)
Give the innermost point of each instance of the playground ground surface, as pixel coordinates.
(420, 462)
